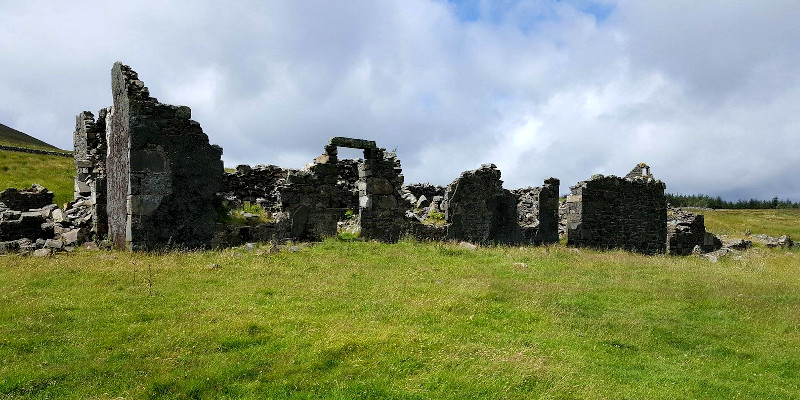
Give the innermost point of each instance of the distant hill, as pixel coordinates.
(13, 137)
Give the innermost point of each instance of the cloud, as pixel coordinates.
(704, 93)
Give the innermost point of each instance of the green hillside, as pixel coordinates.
(21, 170)
(13, 137)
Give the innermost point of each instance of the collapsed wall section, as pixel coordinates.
(613, 212)
(537, 212)
(89, 140)
(686, 233)
(311, 202)
(162, 172)
(479, 210)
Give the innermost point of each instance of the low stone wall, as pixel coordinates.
(26, 199)
(35, 151)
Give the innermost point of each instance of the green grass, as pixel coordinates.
(351, 319)
(21, 170)
(736, 222)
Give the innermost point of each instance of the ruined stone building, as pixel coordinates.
(147, 169)
(624, 213)
(152, 179)
(537, 211)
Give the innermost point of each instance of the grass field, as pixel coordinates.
(771, 222)
(21, 170)
(347, 319)
(366, 320)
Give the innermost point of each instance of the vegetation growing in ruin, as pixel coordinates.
(435, 218)
(22, 170)
(247, 214)
(408, 320)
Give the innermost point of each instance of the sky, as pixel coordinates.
(705, 92)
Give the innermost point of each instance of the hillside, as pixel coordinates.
(21, 170)
(13, 137)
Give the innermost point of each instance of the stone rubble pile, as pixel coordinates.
(686, 234)
(29, 227)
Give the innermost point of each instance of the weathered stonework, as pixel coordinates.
(612, 212)
(26, 199)
(90, 147)
(479, 210)
(537, 210)
(686, 232)
(162, 172)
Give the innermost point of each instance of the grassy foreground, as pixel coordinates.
(366, 320)
(21, 170)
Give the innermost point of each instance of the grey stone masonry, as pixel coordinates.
(162, 172)
(641, 170)
(612, 212)
(312, 201)
(686, 230)
(258, 185)
(537, 211)
(380, 187)
(479, 210)
(26, 199)
(352, 143)
(90, 147)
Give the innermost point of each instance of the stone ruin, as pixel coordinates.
(148, 178)
(686, 234)
(479, 210)
(30, 223)
(537, 210)
(623, 213)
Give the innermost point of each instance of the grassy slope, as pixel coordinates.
(21, 170)
(347, 320)
(13, 137)
(771, 222)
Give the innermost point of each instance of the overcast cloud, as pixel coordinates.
(707, 93)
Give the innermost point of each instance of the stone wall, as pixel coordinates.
(257, 185)
(613, 212)
(162, 172)
(90, 147)
(686, 234)
(26, 199)
(479, 210)
(537, 212)
(380, 187)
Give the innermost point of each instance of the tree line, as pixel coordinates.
(704, 201)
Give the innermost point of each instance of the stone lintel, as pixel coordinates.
(352, 143)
